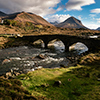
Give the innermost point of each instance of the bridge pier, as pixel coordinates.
(66, 46)
(46, 44)
(66, 49)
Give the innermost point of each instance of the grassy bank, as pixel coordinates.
(81, 82)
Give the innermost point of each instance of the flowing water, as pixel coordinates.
(26, 58)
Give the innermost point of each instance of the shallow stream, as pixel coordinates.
(26, 58)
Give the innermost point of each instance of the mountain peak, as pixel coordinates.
(72, 17)
(28, 17)
(71, 22)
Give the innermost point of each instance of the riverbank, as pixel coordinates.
(81, 82)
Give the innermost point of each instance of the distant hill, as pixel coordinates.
(98, 28)
(54, 23)
(2, 14)
(27, 17)
(71, 22)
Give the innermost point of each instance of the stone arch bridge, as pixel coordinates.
(93, 44)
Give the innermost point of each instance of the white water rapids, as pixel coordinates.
(23, 57)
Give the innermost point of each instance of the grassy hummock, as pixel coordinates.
(78, 83)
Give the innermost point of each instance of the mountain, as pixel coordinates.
(71, 22)
(54, 23)
(27, 17)
(2, 14)
(98, 28)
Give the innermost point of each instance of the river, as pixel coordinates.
(26, 58)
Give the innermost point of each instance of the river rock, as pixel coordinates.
(98, 79)
(39, 67)
(15, 58)
(5, 61)
(16, 73)
(32, 69)
(15, 69)
(26, 71)
(41, 56)
(21, 72)
(8, 74)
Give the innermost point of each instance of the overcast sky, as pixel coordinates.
(88, 11)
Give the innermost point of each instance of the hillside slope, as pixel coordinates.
(28, 17)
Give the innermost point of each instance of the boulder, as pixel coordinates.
(57, 83)
(5, 61)
(41, 56)
(8, 74)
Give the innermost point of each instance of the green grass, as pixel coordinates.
(79, 83)
(12, 90)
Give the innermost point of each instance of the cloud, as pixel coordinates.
(79, 17)
(92, 15)
(92, 26)
(77, 4)
(58, 18)
(40, 7)
(98, 20)
(97, 10)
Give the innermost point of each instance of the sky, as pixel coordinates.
(88, 11)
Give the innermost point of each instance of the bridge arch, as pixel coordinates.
(78, 47)
(57, 45)
(39, 43)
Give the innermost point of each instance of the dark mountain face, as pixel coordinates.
(71, 22)
(98, 28)
(2, 14)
